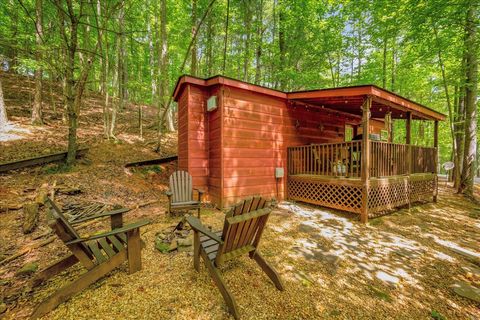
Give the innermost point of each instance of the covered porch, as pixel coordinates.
(370, 174)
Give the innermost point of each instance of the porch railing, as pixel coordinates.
(344, 159)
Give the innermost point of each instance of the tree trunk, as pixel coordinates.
(151, 52)
(70, 98)
(248, 22)
(103, 71)
(281, 45)
(210, 37)
(384, 63)
(122, 68)
(459, 129)
(163, 59)
(3, 110)
(37, 118)
(193, 67)
(226, 38)
(258, 52)
(471, 68)
(447, 97)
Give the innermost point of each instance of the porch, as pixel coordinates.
(330, 175)
(370, 174)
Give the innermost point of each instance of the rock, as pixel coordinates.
(161, 246)
(173, 245)
(3, 307)
(185, 249)
(467, 291)
(27, 269)
(30, 216)
(161, 235)
(185, 242)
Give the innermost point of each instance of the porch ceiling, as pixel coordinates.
(350, 100)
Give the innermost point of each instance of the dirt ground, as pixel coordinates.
(399, 266)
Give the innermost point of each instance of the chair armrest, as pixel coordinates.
(197, 225)
(123, 229)
(101, 215)
(199, 190)
(200, 193)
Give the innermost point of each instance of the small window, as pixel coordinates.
(348, 133)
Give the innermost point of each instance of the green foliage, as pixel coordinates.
(437, 315)
(283, 44)
(380, 294)
(56, 168)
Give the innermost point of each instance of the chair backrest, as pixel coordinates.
(63, 228)
(181, 186)
(243, 228)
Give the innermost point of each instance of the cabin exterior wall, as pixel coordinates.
(232, 152)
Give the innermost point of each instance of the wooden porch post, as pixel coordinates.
(408, 141)
(435, 160)
(365, 158)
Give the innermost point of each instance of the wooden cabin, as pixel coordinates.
(238, 139)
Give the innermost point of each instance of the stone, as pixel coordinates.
(30, 216)
(467, 291)
(161, 246)
(3, 307)
(185, 242)
(173, 245)
(185, 249)
(28, 269)
(161, 235)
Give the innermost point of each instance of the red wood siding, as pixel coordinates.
(232, 152)
(183, 131)
(215, 150)
(257, 131)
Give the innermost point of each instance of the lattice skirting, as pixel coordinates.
(385, 194)
(337, 196)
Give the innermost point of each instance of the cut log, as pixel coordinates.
(27, 249)
(30, 216)
(152, 161)
(19, 164)
(42, 194)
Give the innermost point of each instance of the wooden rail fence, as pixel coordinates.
(344, 159)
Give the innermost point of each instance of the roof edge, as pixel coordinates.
(371, 89)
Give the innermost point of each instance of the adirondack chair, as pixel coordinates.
(180, 194)
(99, 254)
(242, 231)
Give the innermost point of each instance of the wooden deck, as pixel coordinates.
(330, 175)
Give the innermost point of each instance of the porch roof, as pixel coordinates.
(344, 99)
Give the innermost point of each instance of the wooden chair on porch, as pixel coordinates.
(99, 254)
(180, 194)
(242, 231)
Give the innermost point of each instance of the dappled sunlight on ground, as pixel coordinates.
(12, 131)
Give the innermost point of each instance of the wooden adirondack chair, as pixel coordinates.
(99, 254)
(180, 194)
(242, 231)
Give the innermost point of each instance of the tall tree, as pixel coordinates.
(69, 16)
(3, 110)
(471, 86)
(193, 66)
(37, 104)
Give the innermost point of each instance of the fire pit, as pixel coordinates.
(177, 238)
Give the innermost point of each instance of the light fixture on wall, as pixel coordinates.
(320, 126)
(297, 124)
